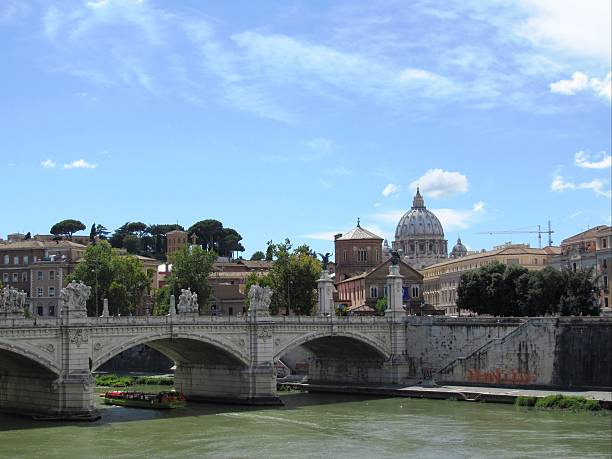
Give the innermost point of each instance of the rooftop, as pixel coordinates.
(358, 233)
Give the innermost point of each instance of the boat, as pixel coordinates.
(157, 400)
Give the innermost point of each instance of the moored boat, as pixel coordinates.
(159, 400)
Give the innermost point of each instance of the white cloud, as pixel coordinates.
(48, 163)
(582, 30)
(389, 190)
(80, 164)
(479, 206)
(322, 235)
(340, 171)
(559, 184)
(581, 82)
(438, 183)
(601, 161)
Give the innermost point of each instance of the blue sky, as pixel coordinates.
(293, 118)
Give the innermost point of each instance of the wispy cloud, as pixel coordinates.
(389, 190)
(600, 161)
(48, 163)
(598, 186)
(80, 164)
(581, 82)
(321, 235)
(438, 183)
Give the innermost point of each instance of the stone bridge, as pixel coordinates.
(46, 364)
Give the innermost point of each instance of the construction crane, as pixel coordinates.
(538, 231)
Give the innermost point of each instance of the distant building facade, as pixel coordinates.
(176, 240)
(356, 252)
(39, 268)
(440, 281)
(360, 293)
(586, 250)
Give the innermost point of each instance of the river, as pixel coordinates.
(317, 425)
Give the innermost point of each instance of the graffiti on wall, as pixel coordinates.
(501, 376)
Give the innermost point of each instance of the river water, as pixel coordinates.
(316, 425)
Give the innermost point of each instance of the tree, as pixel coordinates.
(116, 240)
(158, 242)
(208, 233)
(101, 231)
(119, 278)
(161, 306)
(131, 243)
(580, 295)
(190, 269)
(67, 228)
(269, 250)
(92, 234)
(381, 306)
(95, 269)
(257, 256)
(294, 278)
(501, 290)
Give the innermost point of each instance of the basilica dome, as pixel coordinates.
(418, 221)
(420, 237)
(459, 250)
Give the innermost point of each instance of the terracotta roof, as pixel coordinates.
(510, 250)
(358, 233)
(257, 264)
(588, 234)
(32, 244)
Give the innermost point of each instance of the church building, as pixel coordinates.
(420, 237)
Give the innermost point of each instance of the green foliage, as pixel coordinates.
(381, 306)
(500, 290)
(131, 243)
(121, 279)
(567, 402)
(112, 380)
(293, 279)
(525, 401)
(161, 307)
(269, 250)
(257, 256)
(213, 237)
(67, 228)
(190, 269)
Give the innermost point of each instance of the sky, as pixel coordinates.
(291, 119)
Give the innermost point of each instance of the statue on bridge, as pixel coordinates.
(75, 295)
(188, 301)
(260, 299)
(12, 301)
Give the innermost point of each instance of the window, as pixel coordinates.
(24, 277)
(415, 291)
(605, 281)
(374, 291)
(230, 311)
(26, 259)
(51, 310)
(15, 277)
(5, 277)
(574, 267)
(604, 264)
(39, 275)
(39, 292)
(51, 291)
(6, 259)
(15, 260)
(362, 255)
(604, 243)
(39, 310)
(344, 255)
(51, 275)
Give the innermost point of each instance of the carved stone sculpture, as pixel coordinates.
(74, 296)
(260, 298)
(12, 301)
(188, 301)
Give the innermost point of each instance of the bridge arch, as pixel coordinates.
(26, 358)
(340, 344)
(180, 347)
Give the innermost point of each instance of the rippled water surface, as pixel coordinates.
(317, 425)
